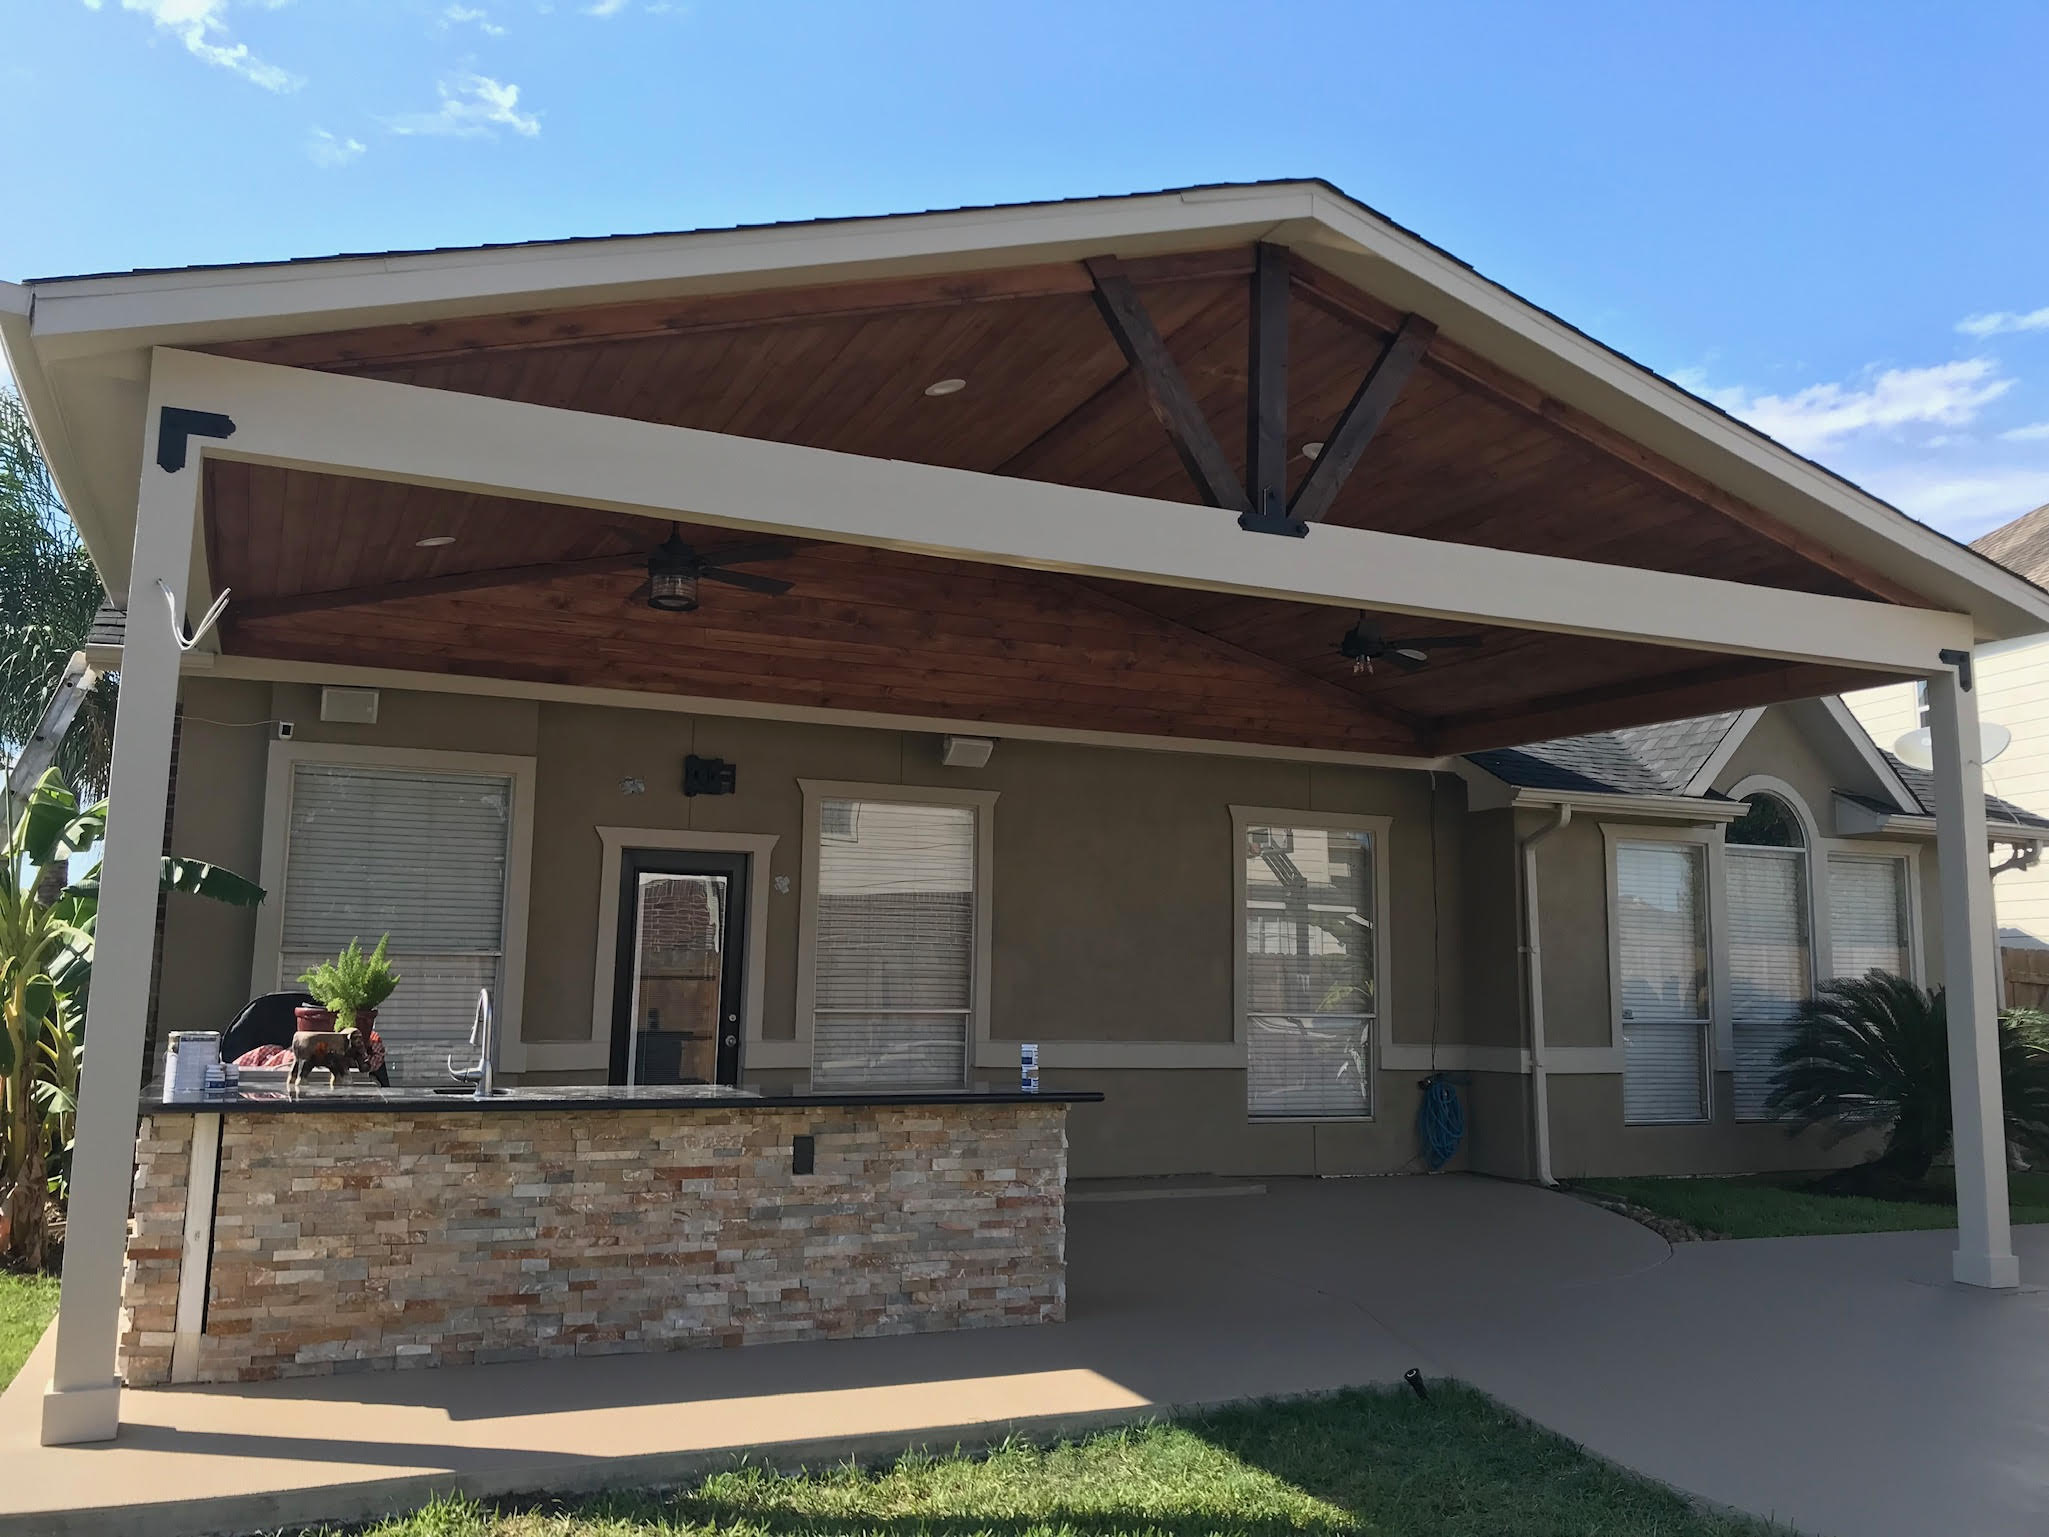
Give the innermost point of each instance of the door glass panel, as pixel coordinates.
(679, 945)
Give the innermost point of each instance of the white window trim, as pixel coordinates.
(796, 1053)
(1721, 1041)
(594, 1054)
(1820, 942)
(285, 758)
(1380, 828)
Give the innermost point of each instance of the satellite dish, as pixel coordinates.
(1917, 748)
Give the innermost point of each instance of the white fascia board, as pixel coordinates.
(1687, 808)
(1406, 271)
(355, 426)
(1853, 820)
(96, 524)
(190, 305)
(1739, 731)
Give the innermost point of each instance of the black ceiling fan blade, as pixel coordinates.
(748, 554)
(1433, 642)
(774, 586)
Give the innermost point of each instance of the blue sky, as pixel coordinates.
(1828, 217)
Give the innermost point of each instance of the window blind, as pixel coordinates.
(1867, 914)
(893, 953)
(1309, 954)
(1661, 953)
(1771, 966)
(420, 856)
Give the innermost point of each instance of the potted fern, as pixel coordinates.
(349, 989)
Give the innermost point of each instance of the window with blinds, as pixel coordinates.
(1771, 966)
(417, 855)
(1662, 963)
(1867, 915)
(893, 956)
(1310, 985)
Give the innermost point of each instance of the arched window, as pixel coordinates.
(1771, 948)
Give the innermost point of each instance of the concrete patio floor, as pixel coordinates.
(1841, 1384)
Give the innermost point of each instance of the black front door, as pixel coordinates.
(676, 1003)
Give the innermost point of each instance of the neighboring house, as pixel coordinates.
(1067, 624)
(2014, 692)
(1711, 872)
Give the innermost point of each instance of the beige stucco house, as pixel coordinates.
(1097, 625)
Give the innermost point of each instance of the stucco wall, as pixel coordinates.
(1111, 897)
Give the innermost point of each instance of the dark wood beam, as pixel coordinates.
(1468, 369)
(1166, 391)
(1705, 690)
(1375, 397)
(1410, 725)
(1266, 385)
(433, 586)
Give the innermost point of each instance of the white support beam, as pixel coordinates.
(1984, 1252)
(83, 1400)
(306, 419)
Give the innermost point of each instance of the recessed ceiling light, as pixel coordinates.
(946, 387)
(434, 541)
(1311, 450)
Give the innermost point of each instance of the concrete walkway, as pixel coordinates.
(1841, 1384)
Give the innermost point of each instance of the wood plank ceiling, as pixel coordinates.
(1467, 454)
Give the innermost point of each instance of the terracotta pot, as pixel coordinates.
(309, 1018)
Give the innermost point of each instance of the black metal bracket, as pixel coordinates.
(1273, 520)
(1961, 661)
(177, 424)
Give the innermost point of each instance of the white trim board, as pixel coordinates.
(386, 431)
(594, 1054)
(277, 822)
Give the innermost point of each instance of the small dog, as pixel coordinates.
(338, 1051)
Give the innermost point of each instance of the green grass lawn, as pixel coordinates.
(1772, 1205)
(1362, 1462)
(27, 1303)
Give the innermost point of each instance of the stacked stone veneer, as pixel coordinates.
(349, 1242)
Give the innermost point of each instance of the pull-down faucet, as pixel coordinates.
(483, 1034)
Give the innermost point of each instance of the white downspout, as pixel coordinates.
(1533, 958)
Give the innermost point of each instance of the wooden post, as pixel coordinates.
(83, 1400)
(1984, 1253)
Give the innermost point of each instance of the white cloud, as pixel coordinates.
(1963, 504)
(329, 149)
(471, 106)
(2034, 432)
(1999, 322)
(605, 7)
(201, 25)
(461, 15)
(1821, 415)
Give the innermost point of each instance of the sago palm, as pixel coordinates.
(1871, 1053)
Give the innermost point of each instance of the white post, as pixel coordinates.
(1984, 1254)
(83, 1400)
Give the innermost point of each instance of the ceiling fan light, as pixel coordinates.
(673, 592)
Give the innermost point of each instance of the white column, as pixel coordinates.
(83, 1400)
(1984, 1254)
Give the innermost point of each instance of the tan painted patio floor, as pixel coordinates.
(1841, 1383)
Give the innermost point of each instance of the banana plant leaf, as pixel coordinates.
(216, 883)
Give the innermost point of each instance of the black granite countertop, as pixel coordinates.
(369, 1098)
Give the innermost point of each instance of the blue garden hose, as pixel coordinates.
(1440, 1121)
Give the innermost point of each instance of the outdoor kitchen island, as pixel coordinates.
(359, 1229)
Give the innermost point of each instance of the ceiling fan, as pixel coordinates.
(1365, 645)
(674, 569)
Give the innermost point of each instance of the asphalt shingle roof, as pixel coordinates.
(2022, 546)
(1641, 760)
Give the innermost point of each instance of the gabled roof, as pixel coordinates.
(2021, 546)
(1664, 760)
